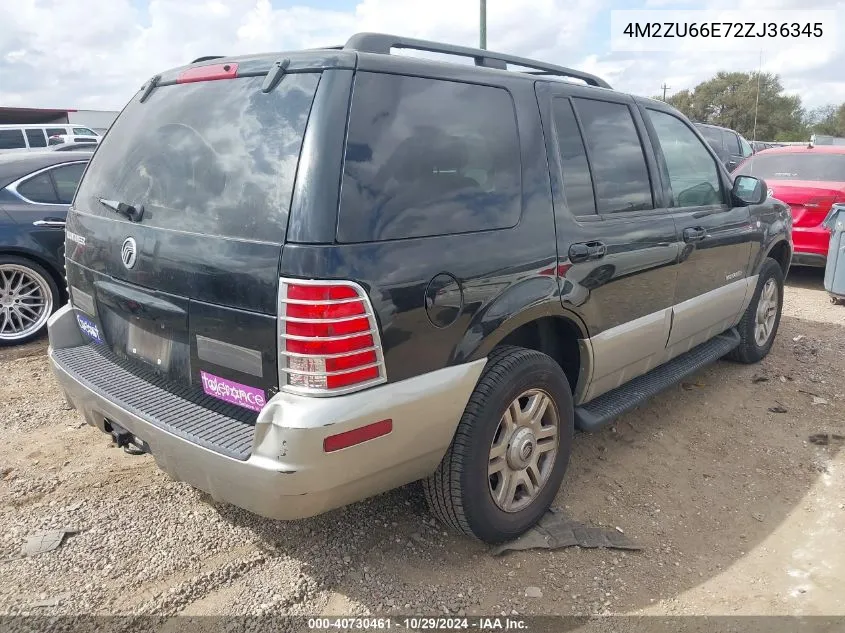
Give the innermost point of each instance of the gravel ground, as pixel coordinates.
(737, 510)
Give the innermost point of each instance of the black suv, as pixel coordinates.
(302, 279)
(730, 146)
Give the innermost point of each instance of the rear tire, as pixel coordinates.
(500, 474)
(759, 325)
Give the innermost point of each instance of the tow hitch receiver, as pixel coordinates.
(125, 440)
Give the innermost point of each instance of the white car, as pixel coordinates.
(64, 139)
(22, 138)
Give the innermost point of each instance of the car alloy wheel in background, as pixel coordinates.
(26, 302)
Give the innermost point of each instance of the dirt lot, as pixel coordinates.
(737, 510)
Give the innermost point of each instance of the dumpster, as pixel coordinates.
(834, 272)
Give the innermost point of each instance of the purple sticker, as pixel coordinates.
(233, 392)
(89, 328)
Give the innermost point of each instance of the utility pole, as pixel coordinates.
(665, 88)
(483, 24)
(757, 98)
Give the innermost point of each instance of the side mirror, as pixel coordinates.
(750, 190)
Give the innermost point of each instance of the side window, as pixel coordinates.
(746, 148)
(731, 142)
(693, 175)
(577, 181)
(39, 189)
(67, 179)
(616, 156)
(36, 138)
(56, 131)
(428, 157)
(12, 139)
(84, 131)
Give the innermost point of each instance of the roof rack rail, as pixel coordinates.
(206, 58)
(382, 43)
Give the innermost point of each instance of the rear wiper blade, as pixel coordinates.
(126, 210)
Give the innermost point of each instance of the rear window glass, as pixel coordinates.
(797, 166)
(214, 157)
(428, 157)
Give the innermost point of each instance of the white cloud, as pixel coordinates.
(52, 57)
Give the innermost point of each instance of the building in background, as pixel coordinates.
(97, 120)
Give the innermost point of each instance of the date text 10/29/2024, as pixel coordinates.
(422, 623)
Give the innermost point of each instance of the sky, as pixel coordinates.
(94, 54)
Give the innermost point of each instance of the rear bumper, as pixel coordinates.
(287, 474)
(811, 245)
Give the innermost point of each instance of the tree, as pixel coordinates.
(682, 100)
(729, 100)
(829, 119)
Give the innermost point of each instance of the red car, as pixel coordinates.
(810, 180)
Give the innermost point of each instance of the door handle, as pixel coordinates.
(586, 251)
(50, 223)
(694, 234)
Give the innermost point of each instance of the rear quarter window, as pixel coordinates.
(39, 189)
(428, 157)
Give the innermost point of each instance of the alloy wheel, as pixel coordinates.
(523, 451)
(767, 310)
(26, 302)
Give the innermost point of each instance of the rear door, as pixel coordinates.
(190, 290)
(617, 239)
(716, 237)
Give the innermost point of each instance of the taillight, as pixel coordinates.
(328, 338)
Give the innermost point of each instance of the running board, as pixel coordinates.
(601, 411)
